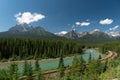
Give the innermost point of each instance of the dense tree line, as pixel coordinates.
(113, 46)
(37, 48)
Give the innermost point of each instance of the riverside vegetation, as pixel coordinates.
(19, 49)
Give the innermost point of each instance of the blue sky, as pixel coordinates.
(62, 15)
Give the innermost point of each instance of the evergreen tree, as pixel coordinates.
(61, 67)
(4, 74)
(105, 66)
(36, 54)
(15, 76)
(0, 55)
(25, 69)
(86, 74)
(92, 70)
(74, 67)
(13, 71)
(81, 68)
(77, 68)
(100, 57)
(37, 66)
(26, 47)
(99, 66)
(68, 73)
(38, 70)
(39, 76)
(29, 72)
(67, 77)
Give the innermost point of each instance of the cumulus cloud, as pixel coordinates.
(114, 28)
(106, 21)
(28, 17)
(78, 23)
(82, 23)
(85, 23)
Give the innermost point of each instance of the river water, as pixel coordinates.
(47, 65)
(53, 64)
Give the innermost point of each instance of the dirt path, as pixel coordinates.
(111, 55)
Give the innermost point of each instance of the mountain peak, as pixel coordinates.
(20, 28)
(26, 31)
(95, 31)
(72, 34)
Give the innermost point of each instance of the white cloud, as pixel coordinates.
(82, 23)
(28, 17)
(114, 28)
(106, 21)
(78, 23)
(85, 23)
(63, 32)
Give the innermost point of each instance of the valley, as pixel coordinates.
(59, 39)
(20, 54)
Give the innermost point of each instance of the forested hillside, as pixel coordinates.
(17, 49)
(37, 48)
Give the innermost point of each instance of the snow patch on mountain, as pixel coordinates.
(114, 34)
(62, 33)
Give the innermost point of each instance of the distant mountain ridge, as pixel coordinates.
(73, 34)
(93, 36)
(27, 31)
